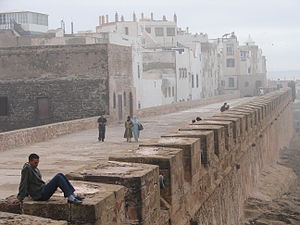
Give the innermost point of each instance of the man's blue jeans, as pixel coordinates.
(58, 181)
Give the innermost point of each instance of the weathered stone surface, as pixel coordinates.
(207, 143)
(170, 162)
(142, 197)
(191, 152)
(103, 204)
(236, 126)
(228, 130)
(243, 121)
(219, 136)
(15, 219)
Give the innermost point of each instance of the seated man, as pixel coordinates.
(224, 107)
(32, 184)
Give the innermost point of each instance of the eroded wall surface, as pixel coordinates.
(200, 174)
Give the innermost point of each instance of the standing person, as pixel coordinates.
(128, 129)
(32, 184)
(101, 126)
(137, 127)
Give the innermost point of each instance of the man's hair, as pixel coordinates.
(33, 156)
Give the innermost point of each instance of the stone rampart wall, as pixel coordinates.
(201, 174)
(21, 137)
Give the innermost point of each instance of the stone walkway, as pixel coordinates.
(71, 152)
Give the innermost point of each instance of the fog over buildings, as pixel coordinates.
(273, 24)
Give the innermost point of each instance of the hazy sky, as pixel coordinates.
(273, 24)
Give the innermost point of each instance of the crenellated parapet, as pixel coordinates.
(200, 174)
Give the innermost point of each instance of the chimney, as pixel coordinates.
(107, 19)
(122, 18)
(142, 16)
(116, 17)
(100, 22)
(152, 16)
(134, 17)
(164, 18)
(175, 18)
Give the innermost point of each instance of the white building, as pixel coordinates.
(24, 22)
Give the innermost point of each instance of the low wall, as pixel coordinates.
(200, 175)
(21, 137)
(171, 108)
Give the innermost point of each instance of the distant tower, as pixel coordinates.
(175, 18)
(103, 19)
(107, 19)
(72, 28)
(134, 17)
(164, 18)
(122, 18)
(100, 21)
(142, 16)
(116, 17)
(62, 26)
(152, 16)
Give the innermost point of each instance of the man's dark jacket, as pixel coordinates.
(31, 183)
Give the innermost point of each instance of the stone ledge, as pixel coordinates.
(16, 219)
(99, 205)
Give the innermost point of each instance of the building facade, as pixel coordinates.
(41, 85)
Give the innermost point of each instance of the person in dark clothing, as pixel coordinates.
(224, 107)
(32, 184)
(193, 121)
(198, 118)
(101, 126)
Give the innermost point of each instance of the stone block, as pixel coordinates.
(208, 156)
(142, 196)
(16, 219)
(236, 125)
(229, 144)
(191, 152)
(103, 204)
(249, 116)
(170, 162)
(243, 121)
(219, 136)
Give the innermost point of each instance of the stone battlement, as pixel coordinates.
(201, 174)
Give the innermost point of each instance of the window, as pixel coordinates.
(229, 49)
(246, 84)
(139, 73)
(230, 63)
(231, 82)
(126, 31)
(43, 108)
(169, 91)
(148, 29)
(170, 31)
(124, 98)
(197, 80)
(114, 101)
(244, 55)
(3, 106)
(173, 91)
(159, 31)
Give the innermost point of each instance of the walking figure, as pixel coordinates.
(128, 129)
(101, 127)
(137, 127)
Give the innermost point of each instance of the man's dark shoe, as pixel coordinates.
(75, 201)
(79, 197)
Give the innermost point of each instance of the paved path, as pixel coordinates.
(76, 150)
